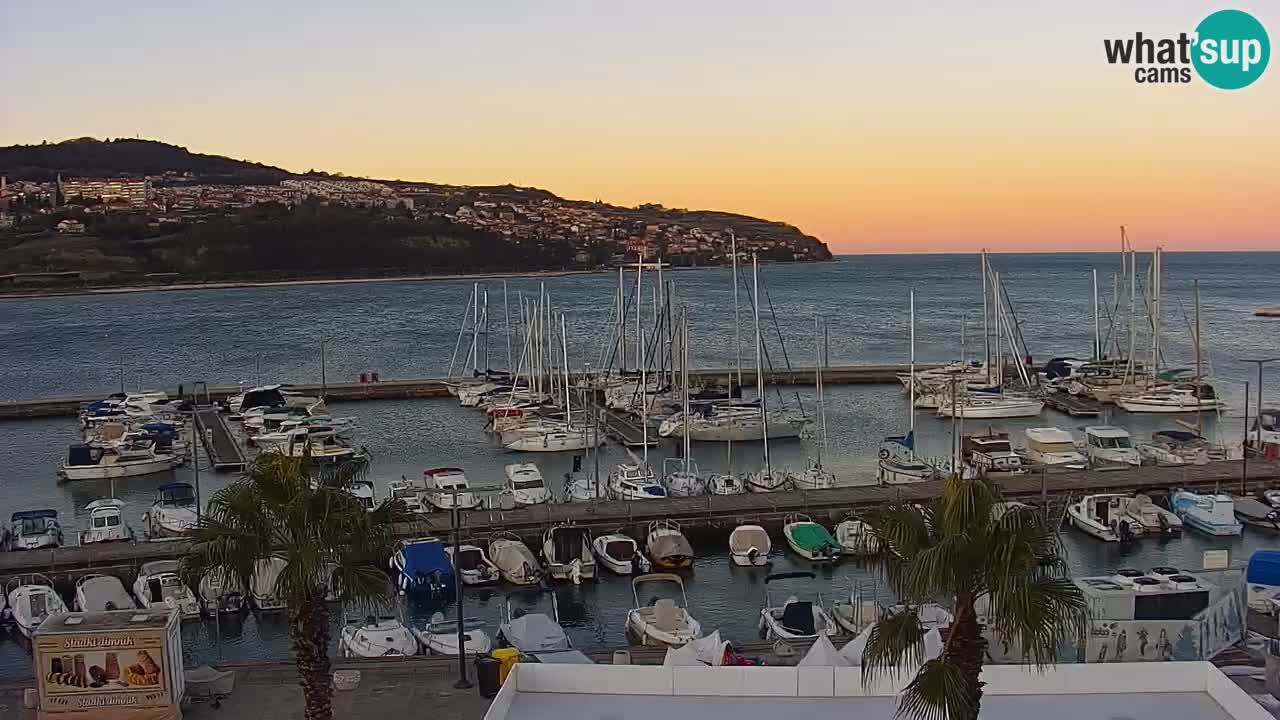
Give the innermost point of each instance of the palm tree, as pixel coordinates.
(329, 543)
(1000, 565)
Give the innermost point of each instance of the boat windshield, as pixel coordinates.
(1112, 443)
(178, 496)
(995, 446)
(101, 521)
(32, 526)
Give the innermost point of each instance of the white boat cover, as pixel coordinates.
(103, 590)
(824, 654)
(855, 647)
(700, 653)
(535, 632)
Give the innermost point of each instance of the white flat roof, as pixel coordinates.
(1134, 691)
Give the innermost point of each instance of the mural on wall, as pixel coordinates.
(1142, 641)
(1222, 625)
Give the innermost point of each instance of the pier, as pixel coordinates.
(426, 388)
(224, 452)
(704, 516)
(1073, 405)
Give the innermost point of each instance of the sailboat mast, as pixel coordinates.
(737, 323)
(1199, 367)
(817, 382)
(911, 408)
(1097, 327)
(475, 327)
(684, 370)
(986, 328)
(485, 317)
(764, 410)
(564, 356)
(1133, 284)
(1155, 313)
(622, 325)
(506, 319)
(639, 304)
(995, 312)
(641, 362)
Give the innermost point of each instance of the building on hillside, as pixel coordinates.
(70, 226)
(134, 191)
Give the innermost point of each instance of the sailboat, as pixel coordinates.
(767, 479)
(681, 474)
(814, 476)
(898, 464)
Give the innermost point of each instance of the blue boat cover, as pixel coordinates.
(426, 567)
(160, 427)
(33, 514)
(1264, 568)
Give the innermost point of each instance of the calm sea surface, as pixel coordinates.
(54, 347)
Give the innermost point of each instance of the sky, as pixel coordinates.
(878, 127)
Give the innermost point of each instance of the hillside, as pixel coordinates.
(88, 157)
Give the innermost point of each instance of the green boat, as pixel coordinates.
(809, 539)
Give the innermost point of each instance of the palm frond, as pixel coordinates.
(896, 639)
(939, 691)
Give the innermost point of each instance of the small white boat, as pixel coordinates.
(447, 487)
(174, 512)
(634, 481)
(667, 547)
(440, 636)
(32, 600)
(515, 561)
(663, 621)
(856, 538)
(159, 587)
(532, 632)
(767, 481)
(793, 619)
(105, 522)
(814, 477)
(376, 637)
(363, 492)
(409, 493)
(100, 593)
(895, 471)
(35, 529)
(725, 484)
(1181, 398)
(1110, 445)
(749, 546)
(810, 540)
(1053, 446)
(681, 478)
(1213, 514)
(567, 550)
(582, 488)
(1117, 517)
(620, 554)
(855, 614)
(1175, 448)
(982, 406)
(991, 454)
(562, 440)
(90, 462)
(472, 564)
(262, 585)
(525, 483)
(220, 593)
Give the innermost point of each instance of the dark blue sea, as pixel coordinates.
(61, 346)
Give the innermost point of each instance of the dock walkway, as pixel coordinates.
(1073, 405)
(224, 453)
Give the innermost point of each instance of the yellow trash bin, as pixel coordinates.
(508, 657)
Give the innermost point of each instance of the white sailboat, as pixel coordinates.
(898, 463)
(815, 476)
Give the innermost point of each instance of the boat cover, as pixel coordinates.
(535, 632)
(853, 650)
(567, 543)
(563, 657)
(425, 565)
(823, 654)
(797, 617)
(812, 536)
(1264, 568)
(104, 593)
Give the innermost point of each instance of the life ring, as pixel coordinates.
(884, 454)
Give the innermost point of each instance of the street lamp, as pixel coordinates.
(1244, 465)
(463, 683)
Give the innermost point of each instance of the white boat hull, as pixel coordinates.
(994, 410)
(1189, 405)
(128, 468)
(477, 642)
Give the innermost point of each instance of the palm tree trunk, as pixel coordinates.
(309, 631)
(967, 648)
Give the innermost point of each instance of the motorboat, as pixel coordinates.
(1213, 514)
(266, 397)
(1117, 517)
(262, 585)
(32, 600)
(1175, 447)
(856, 537)
(321, 445)
(447, 489)
(423, 566)
(749, 546)
(516, 562)
(100, 593)
(991, 454)
(739, 422)
(810, 540)
(92, 462)
(634, 481)
(376, 637)
(813, 477)
(409, 493)
(662, 621)
(1179, 398)
(581, 487)
(220, 592)
(768, 480)
(159, 587)
(105, 522)
(1153, 519)
(1108, 445)
(1053, 447)
(343, 428)
(1258, 512)
(725, 483)
(174, 511)
(681, 478)
(532, 632)
(440, 636)
(898, 462)
(363, 492)
(567, 439)
(1264, 434)
(472, 564)
(620, 554)
(855, 614)
(567, 550)
(984, 407)
(793, 619)
(35, 529)
(667, 547)
(525, 483)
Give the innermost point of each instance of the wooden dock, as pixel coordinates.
(425, 388)
(706, 516)
(1073, 405)
(224, 452)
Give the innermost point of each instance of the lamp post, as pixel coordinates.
(1244, 466)
(463, 683)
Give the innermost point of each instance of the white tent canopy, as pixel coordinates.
(701, 652)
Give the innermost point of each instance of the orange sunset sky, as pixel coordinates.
(903, 127)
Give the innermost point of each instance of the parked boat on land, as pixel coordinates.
(810, 540)
(174, 511)
(1212, 514)
(516, 562)
(440, 636)
(101, 593)
(35, 529)
(158, 586)
(105, 522)
(749, 546)
(793, 619)
(1108, 445)
(662, 621)
(376, 637)
(667, 547)
(620, 554)
(472, 564)
(525, 483)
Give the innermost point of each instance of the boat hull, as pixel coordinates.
(119, 470)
